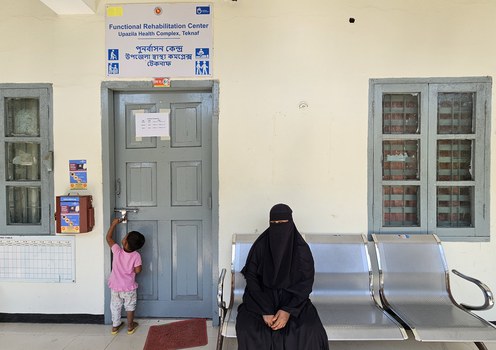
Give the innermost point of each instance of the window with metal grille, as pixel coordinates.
(429, 143)
(26, 179)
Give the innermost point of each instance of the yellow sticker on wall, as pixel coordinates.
(115, 11)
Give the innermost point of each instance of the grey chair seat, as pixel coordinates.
(444, 322)
(360, 321)
(342, 290)
(229, 326)
(415, 286)
(241, 245)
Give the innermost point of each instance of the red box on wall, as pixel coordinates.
(74, 214)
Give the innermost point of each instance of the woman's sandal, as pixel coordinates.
(132, 330)
(116, 330)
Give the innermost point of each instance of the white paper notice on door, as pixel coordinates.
(153, 124)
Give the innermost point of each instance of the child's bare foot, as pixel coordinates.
(132, 327)
(116, 330)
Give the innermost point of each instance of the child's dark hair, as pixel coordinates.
(135, 240)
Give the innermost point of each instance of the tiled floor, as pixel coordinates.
(28, 336)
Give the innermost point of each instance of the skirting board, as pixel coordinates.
(53, 318)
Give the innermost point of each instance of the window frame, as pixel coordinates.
(428, 89)
(42, 92)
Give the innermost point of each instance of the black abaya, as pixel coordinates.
(279, 277)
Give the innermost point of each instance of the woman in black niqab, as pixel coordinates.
(276, 313)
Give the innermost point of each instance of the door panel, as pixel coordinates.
(186, 268)
(141, 184)
(186, 125)
(186, 183)
(149, 253)
(169, 181)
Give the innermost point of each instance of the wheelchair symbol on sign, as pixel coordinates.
(113, 54)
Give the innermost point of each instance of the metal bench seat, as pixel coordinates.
(342, 290)
(358, 322)
(414, 285)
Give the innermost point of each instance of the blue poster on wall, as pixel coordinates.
(69, 214)
(78, 174)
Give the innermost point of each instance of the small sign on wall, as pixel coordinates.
(78, 174)
(161, 82)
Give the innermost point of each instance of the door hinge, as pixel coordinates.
(210, 201)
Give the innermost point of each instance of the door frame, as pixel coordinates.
(108, 88)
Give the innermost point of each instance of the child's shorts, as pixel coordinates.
(128, 299)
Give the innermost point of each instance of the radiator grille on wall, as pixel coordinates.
(37, 258)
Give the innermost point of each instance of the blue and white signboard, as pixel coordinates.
(159, 40)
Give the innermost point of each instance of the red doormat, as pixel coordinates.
(177, 335)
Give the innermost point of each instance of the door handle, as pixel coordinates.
(124, 212)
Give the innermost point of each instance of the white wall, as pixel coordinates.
(37, 46)
(269, 56)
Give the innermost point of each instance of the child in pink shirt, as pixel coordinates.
(126, 263)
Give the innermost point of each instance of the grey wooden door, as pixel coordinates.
(169, 181)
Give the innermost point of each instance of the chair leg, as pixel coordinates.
(220, 339)
(480, 346)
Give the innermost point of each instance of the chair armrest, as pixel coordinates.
(220, 291)
(222, 307)
(488, 294)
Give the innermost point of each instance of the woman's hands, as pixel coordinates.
(268, 319)
(277, 321)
